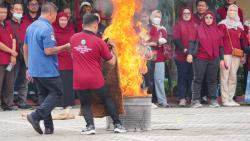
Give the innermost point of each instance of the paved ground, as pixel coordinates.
(174, 124)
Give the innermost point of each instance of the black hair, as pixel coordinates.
(48, 6)
(198, 1)
(4, 5)
(16, 2)
(89, 19)
(66, 6)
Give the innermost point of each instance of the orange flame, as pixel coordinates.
(122, 33)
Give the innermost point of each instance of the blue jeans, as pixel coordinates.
(49, 92)
(247, 93)
(185, 76)
(159, 76)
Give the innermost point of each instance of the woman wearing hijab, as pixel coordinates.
(184, 32)
(208, 58)
(63, 32)
(158, 35)
(233, 31)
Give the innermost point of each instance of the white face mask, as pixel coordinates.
(17, 16)
(156, 21)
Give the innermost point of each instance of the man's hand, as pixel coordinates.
(190, 58)
(14, 53)
(13, 60)
(67, 47)
(29, 78)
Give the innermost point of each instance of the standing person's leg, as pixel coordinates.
(8, 89)
(68, 97)
(2, 74)
(224, 75)
(151, 81)
(211, 81)
(104, 95)
(189, 81)
(43, 112)
(199, 67)
(85, 99)
(232, 80)
(159, 83)
(21, 85)
(42, 94)
(182, 83)
(247, 93)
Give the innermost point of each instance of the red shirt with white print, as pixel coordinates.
(88, 50)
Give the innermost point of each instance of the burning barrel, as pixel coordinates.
(137, 115)
(131, 65)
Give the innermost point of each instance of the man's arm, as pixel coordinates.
(56, 50)
(4, 48)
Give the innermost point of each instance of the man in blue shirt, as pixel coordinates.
(40, 56)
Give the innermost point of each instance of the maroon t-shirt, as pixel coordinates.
(235, 36)
(27, 18)
(155, 35)
(20, 29)
(88, 50)
(6, 37)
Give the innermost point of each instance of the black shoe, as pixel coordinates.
(35, 124)
(11, 108)
(24, 106)
(48, 131)
(204, 100)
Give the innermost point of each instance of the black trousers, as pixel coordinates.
(103, 94)
(207, 69)
(49, 92)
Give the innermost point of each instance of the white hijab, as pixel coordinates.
(153, 15)
(235, 23)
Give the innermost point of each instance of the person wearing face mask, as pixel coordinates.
(33, 11)
(207, 61)
(88, 51)
(63, 32)
(19, 27)
(222, 11)
(40, 55)
(233, 32)
(184, 32)
(85, 8)
(158, 35)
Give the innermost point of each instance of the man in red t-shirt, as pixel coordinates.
(88, 50)
(19, 27)
(7, 61)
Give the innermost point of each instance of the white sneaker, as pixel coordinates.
(118, 128)
(214, 104)
(153, 106)
(90, 130)
(196, 104)
(234, 104)
(183, 102)
(58, 108)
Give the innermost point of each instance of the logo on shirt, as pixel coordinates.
(53, 37)
(83, 48)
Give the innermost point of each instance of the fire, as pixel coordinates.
(122, 33)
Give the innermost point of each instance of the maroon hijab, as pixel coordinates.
(62, 34)
(184, 30)
(209, 36)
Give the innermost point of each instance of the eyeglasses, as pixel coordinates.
(33, 4)
(208, 17)
(186, 14)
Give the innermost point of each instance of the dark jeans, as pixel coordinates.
(209, 70)
(49, 92)
(21, 84)
(149, 79)
(185, 76)
(103, 94)
(6, 86)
